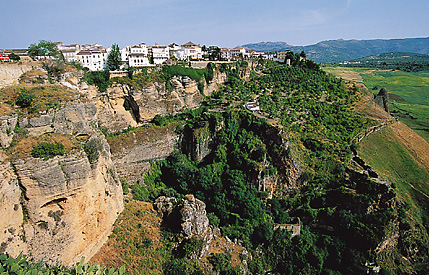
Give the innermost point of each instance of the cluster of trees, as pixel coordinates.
(408, 62)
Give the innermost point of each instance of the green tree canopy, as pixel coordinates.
(114, 58)
(44, 48)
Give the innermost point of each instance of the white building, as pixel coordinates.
(226, 53)
(69, 51)
(95, 60)
(137, 56)
(159, 54)
(238, 52)
(192, 50)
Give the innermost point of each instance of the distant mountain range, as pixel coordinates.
(331, 51)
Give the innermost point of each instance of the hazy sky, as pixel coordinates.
(226, 23)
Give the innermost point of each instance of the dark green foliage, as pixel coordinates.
(178, 70)
(191, 247)
(139, 192)
(125, 186)
(44, 49)
(101, 79)
(114, 58)
(48, 150)
(14, 57)
(24, 99)
(92, 149)
(20, 265)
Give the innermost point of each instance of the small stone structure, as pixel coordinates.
(294, 228)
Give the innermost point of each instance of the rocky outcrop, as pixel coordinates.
(189, 218)
(11, 214)
(382, 99)
(63, 208)
(145, 104)
(74, 118)
(194, 216)
(70, 205)
(7, 127)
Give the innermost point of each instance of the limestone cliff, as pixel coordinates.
(146, 103)
(70, 203)
(132, 153)
(10, 73)
(63, 208)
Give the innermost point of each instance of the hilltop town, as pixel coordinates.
(94, 56)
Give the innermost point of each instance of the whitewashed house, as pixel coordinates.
(95, 60)
(159, 54)
(69, 51)
(138, 56)
(238, 52)
(193, 51)
(226, 53)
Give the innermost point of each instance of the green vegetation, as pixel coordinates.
(32, 100)
(114, 60)
(20, 265)
(407, 92)
(24, 99)
(101, 79)
(44, 49)
(48, 150)
(407, 62)
(331, 199)
(14, 57)
(388, 156)
(92, 149)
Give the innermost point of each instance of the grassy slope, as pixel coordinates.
(412, 87)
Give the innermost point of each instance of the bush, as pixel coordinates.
(92, 149)
(48, 150)
(24, 99)
(101, 79)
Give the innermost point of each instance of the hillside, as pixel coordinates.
(185, 180)
(340, 50)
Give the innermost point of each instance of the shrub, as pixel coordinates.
(125, 186)
(48, 150)
(24, 99)
(92, 149)
(101, 79)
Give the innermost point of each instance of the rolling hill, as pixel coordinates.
(331, 51)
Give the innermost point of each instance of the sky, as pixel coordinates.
(224, 23)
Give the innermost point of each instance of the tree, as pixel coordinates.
(214, 53)
(14, 57)
(114, 58)
(44, 48)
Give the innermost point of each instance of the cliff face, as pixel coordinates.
(145, 104)
(133, 153)
(70, 205)
(59, 209)
(10, 73)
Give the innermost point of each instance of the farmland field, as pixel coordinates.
(408, 91)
